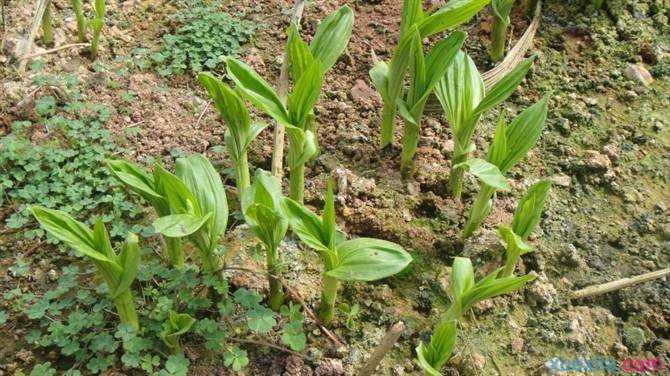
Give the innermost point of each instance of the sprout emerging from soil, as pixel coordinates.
(97, 23)
(117, 269)
(47, 29)
(177, 324)
(362, 259)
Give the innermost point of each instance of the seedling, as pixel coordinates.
(118, 270)
(309, 65)
(361, 259)
(501, 11)
(145, 185)
(526, 218)
(81, 20)
(389, 78)
(47, 29)
(176, 325)
(465, 293)
(425, 73)
(264, 214)
(463, 97)
(97, 23)
(510, 145)
(240, 132)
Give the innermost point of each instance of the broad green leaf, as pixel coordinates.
(257, 90)
(502, 9)
(329, 225)
(406, 113)
(367, 259)
(299, 54)
(232, 110)
(180, 225)
(261, 205)
(487, 172)
(455, 13)
(179, 197)
(254, 131)
(504, 88)
(305, 94)
(101, 240)
(514, 242)
(139, 181)
(303, 145)
(305, 224)
(412, 13)
(438, 62)
(398, 67)
(332, 36)
(523, 133)
(179, 323)
(460, 91)
(498, 148)
(438, 352)
(379, 75)
(462, 277)
(70, 231)
(417, 69)
(129, 259)
(493, 288)
(529, 210)
(204, 181)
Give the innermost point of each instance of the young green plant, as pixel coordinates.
(501, 21)
(118, 270)
(526, 218)
(177, 325)
(389, 78)
(97, 23)
(361, 259)
(465, 293)
(145, 185)
(425, 73)
(47, 29)
(510, 145)
(78, 9)
(263, 212)
(309, 65)
(240, 133)
(463, 97)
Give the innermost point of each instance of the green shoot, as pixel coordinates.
(309, 65)
(47, 29)
(97, 23)
(526, 218)
(176, 325)
(465, 293)
(362, 259)
(598, 3)
(510, 145)
(425, 72)
(78, 9)
(144, 184)
(463, 97)
(118, 270)
(240, 132)
(501, 11)
(389, 78)
(263, 212)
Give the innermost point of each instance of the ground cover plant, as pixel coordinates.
(142, 232)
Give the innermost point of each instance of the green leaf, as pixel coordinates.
(379, 75)
(257, 90)
(299, 54)
(406, 113)
(204, 181)
(179, 197)
(455, 13)
(329, 225)
(176, 325)
(332, 36)
(498, 148)
(529, 210)
(438, 62)
(139, 181)
(412, 13)
(398, 67)
(261, 205)
(43, 369)
(70, 231)
(367, 259)
(236, 359)
(179, 225)
(487, 172)
(417, 68)
(492, 287)
(303, 146)
(514, 242)
(261, 320)
(502, 9)
(462, 277)
(306, 225)
(305, 94)
(433, 357)
(523, 133)
(504, 88)
(101, 240)
(129, 259)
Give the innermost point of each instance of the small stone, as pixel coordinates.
(363, 94)
(572, 257)
(541, 293)
(612, 151)
(561, 180)
(516, 345)
(478, 360)
(640, 74)
(596, 161)
(330, 367)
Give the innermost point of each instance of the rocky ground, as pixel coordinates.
(606, 149)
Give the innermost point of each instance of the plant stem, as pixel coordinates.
(276, 297)
(328, 296)
(479, 211)
(47, 30)
(125, 307)
(511, 259)
(387, 125)
(243, 179)
(498, 39)
(297, 182)
(456, 176)
(410, 143)
(174, 251)
(81, 20)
